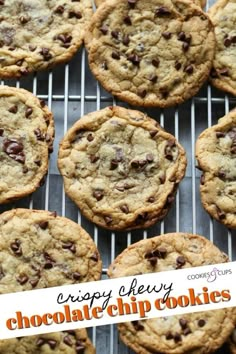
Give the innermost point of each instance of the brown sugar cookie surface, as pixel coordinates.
(38, 34)
(121, 168)
(151, 53)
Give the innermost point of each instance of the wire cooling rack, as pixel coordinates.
(70, 92)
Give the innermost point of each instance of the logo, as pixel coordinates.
(210, 276)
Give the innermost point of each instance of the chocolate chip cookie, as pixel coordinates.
(26, 139)
(151, 53)
(193, 333)
(216, 154)
(121, 168)
(223, 73)
(68, 342)
(36, 35)
(39, 250)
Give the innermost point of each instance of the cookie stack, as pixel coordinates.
(119, 166)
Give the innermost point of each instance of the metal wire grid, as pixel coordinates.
(71, 91)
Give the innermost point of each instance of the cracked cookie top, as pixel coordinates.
(121, 168)
(192, 333)
(215, 152)
(38, 34)
(151, 53)
(223, 73)
(26, 139)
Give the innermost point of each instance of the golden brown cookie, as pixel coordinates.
(151, 53)
(121, 168)
(38, 34)
(223, 73)
(216, 155)
(193, 333)
(26, 139)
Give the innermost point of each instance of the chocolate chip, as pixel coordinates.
(115, 34)
(169, 335)
(142, 93)
(202, 179)
(164, 92)
(104, 65)
(177, 337)
(25, 169)
(19, 62)
(115, 55)
(151, 200)
(126, 40)
(76, 275)
(24, 19)
(127, 20)
(32, 47)
(180, 261)
(201, 323)
(181, 36)
(75, 14)
(40, 342)
(150, 158)
(151, 258)
(79, 348)
(188, 69)
(137, 326)
(227, 42)
(224, 72)
(52, 343)
(13, 109)
(94, 257)
(183, 323)
(114, 164)
(2, 274)
(134, 58)
(156, 62)
(233, 149)
(220, 134)
(39, 134)
(104, 29)
(152, 78)
(162, 11)
(98, 195)
(166, 35)
(42, 103)
(46, 54)
(185, 46)
(22, 279)
(48, 265)
(124, 208)
(187, 331)
(43, 225)
(90, 137)
(14, 149)
(220, 214)
(142, 217)
(178, 65)
(233, 39)
(108, 219)
(221, 174)
(213, 73)
(24, 71)
(59, 10)
(153, 133)
(67, 340)
(64, 38)
(2, 2)
(34, 282)
(132, 3)
(93, 158)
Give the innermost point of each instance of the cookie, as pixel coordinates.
(68, 342)
(223, 73)
(121, 168)
(232, 342)
(193, 333)
(216, 153)
(39, 250)
(36, 35)
(151, 53)
(26, 138)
